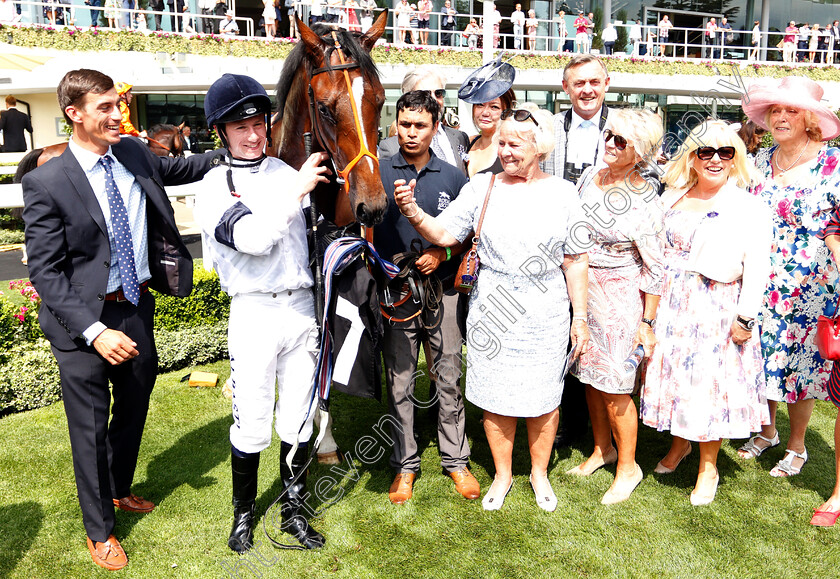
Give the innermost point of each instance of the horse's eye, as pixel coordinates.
(325, 113)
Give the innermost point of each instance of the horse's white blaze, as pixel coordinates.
(358, 93)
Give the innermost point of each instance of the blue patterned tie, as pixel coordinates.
(122, 235)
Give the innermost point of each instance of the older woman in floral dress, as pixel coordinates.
(705, 379)
(802, 188)
(625, 279)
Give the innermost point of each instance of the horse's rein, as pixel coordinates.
(161, 145)
(313, 113)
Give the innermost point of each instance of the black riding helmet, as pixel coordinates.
(235, 97)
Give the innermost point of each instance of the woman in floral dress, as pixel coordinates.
(112, 12)
(705, 379)
(625, 279)
(802, 188)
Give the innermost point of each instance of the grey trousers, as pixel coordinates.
(401, 347)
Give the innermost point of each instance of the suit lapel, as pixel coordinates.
(79, 181)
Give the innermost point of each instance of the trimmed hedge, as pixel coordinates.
(188, 331)
(206, 305)
(28, 378)
(191, 346)
(10, 236)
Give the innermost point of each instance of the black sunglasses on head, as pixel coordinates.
(520, 115)
(437, 93)
(620, 142)
(724, 153)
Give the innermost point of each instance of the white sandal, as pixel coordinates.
(755, 451)
(785, 466)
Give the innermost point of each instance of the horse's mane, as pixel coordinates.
(298, 58)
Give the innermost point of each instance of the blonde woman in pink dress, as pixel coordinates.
(625, 280)
(531, 25)
(705, 379)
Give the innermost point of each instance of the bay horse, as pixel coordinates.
(330, 89)
(163, 141)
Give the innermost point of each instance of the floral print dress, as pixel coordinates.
(803, 280)
(698, 383)
(625, 263)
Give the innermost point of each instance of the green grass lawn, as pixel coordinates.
(757, 527)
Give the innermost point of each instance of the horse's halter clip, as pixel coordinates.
(341, 175)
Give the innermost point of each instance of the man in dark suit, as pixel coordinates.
(99, 232)
(176, 7)
(157, 6)
(449, 145)
(190, 141)
(13, 123)
(94, 13)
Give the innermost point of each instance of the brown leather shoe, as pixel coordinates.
(466, 484)
(400, 490)
(134, 504)
(109, 554)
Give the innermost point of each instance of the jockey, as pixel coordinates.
(253, 226)
(126, 128)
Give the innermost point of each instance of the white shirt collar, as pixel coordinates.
(577, 120)
(86, 158)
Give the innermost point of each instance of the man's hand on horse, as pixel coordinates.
(115, 346)
(311, 173)
(430, 260)
(404, 196)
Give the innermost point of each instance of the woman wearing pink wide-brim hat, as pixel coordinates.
(802, 188)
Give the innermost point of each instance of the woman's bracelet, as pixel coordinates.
(419, 221)
(448, 254)
(584, 318)
(413, 215)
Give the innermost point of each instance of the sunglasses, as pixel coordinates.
(724, 153)
(438, 93)
(620, 142)
(520, 115)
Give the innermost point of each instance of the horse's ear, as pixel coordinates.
(368, 40)
(313, 43)
(181, 126)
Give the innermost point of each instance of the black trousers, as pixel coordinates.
(105, 452)
(446, 37)
(574, 411)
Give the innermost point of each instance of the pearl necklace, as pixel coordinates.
(776, 159)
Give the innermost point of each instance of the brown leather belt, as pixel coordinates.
(119, 296)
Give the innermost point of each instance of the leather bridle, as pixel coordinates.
(341, 174)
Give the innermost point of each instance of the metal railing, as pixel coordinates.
(138, 20)
(682, 43)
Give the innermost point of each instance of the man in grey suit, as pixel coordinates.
(579, 143)
(100, 232)
(448, 144)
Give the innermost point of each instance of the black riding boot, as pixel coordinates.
(244, 467)
(293, 507)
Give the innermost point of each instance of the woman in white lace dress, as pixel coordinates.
(518, 322)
